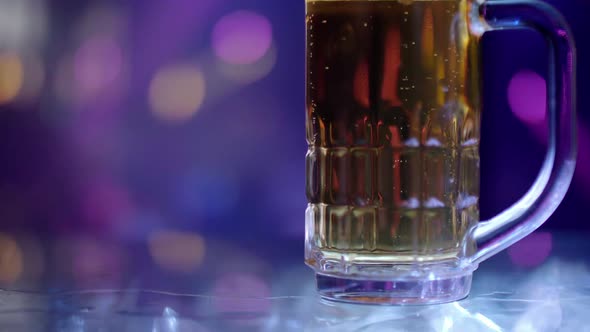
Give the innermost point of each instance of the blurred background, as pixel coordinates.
(170, 133)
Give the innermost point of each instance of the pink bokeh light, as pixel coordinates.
(531, 251)
(527, 93)
(242, 37)
(527, 99)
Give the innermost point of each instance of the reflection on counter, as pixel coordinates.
(240, 291)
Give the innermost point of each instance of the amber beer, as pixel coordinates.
(393, 131)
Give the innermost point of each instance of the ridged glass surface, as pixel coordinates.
(393, 130)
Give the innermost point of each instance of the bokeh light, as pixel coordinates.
(248, 73)
(177, 251)
(97, 64)
(176, 92)
(11, 259)
(11, 76)
(531, 251)
(527, 97)
(242, 37)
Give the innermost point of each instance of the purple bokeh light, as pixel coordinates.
(531, 251)
(242, 37)
(97, 63)
(527, 97)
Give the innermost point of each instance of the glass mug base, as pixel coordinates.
(394, 282)
(412, 291)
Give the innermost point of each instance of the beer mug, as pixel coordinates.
(393, 127)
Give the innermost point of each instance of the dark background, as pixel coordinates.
(98, 152)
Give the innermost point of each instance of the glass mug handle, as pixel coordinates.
(550, 187)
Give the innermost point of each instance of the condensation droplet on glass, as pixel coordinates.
(470, 142)
(434, 142)
(412, 142)
(366, 24)
(433, 202)
(412, 203)
(413, 43)
(325, 21)
(435, 54)
(327, 68)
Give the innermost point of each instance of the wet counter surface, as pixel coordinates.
(182, 282)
